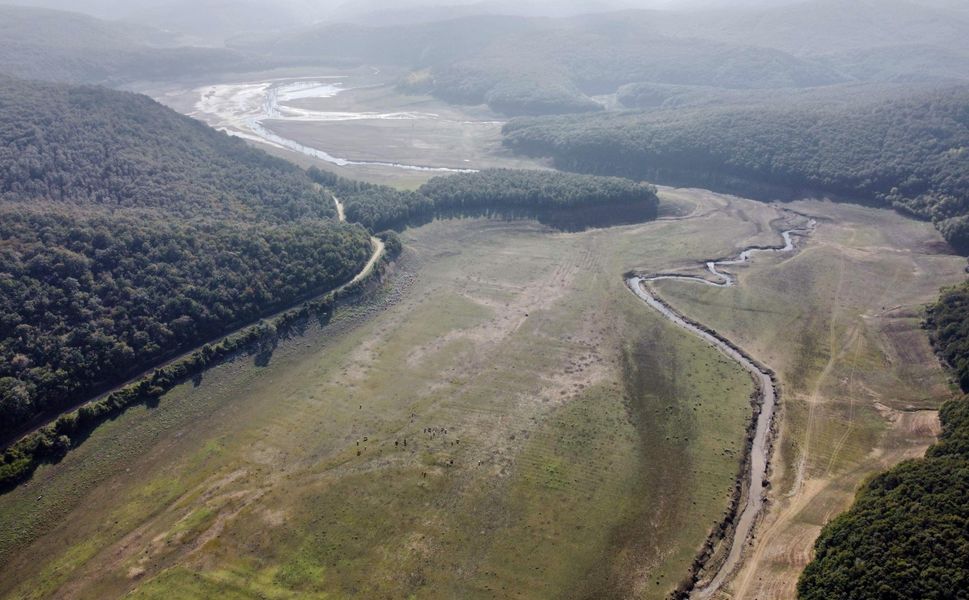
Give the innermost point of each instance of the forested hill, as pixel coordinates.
(907, 534)
(56, 45)
(86, 145)
(129, 233)
(562, 200)
(522, 66)
(910, 153)
(531, 66)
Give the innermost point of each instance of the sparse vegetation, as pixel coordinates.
(907, 534)
(574, 473)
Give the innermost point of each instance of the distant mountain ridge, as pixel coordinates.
(538, 65)
(55, 45)
(524, 65)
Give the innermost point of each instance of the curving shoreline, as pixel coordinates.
(242, 109)
(749, 498)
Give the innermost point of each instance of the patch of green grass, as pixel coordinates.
(560, 436)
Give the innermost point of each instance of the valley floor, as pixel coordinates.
(354, 122)
(508, 420)
(840, 322)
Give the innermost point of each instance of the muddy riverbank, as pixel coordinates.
(723, 551)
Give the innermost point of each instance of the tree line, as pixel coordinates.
(91, 146)
(510, 190)
(130, 233)
(907, 534)
(50, 442)
(87, 300)
(908, 153)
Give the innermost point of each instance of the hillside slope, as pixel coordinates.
(522, 65)
(129, 232)
(55, 45)
(907, 534)
(908, 153)
(86, 145)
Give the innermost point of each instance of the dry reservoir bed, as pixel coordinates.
(516, 424)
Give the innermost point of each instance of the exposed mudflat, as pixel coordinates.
(247, 110)
(754, 484)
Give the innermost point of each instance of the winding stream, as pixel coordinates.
(747, 514)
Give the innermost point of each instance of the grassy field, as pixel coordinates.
(840, 322)
(507, 420)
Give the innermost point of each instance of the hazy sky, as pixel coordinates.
(212, 21)
(123, 8)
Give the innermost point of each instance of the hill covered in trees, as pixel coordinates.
(63, 46)
(563, 200)
(909, 153)
(531, 66)
(948, 324)
(907, 534)
(522, 66)
(129, 233)
(86, 145)
(88, 299)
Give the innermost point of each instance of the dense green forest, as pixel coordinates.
(90, 299)
(533, 189)
(908, 153)
(85, 145)
(508, 192)
(129, 233)
(948, 324)
(907, 534)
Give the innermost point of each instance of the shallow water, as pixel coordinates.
(242, 109)
(760, 445)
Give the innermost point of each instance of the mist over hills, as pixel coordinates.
(539, 65)
(820, 27)
(519, 65)
(63, 46)
(201, 22)
(212, 21)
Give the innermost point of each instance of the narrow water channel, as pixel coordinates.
(755, 477)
